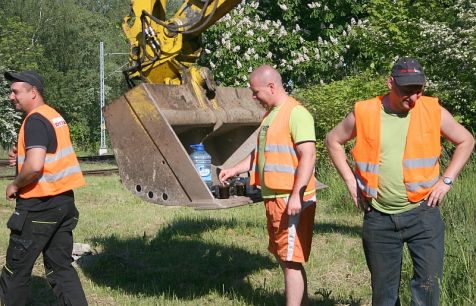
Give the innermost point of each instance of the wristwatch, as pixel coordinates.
(448, 181)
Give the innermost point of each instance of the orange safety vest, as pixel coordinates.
(281, 159)
(421, 168)
(61, 170)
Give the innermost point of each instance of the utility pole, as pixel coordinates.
(103, 147)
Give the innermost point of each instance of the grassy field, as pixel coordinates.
(146, 254)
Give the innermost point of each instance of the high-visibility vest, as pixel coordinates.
(280, 154)
(421, 168)
(61, 171)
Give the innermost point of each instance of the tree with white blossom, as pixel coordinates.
(306, 41)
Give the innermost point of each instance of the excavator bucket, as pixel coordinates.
(152, 126)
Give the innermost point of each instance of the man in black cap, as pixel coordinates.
(45, 214)
(397, 182)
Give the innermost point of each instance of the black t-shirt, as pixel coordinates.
(39, 133)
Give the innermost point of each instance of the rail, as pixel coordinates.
(90, 159)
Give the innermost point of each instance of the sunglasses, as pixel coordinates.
(406, 91)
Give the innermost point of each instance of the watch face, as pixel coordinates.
(447, 181)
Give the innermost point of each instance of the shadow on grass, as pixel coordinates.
(41, 293)
(178, 264)
(320, 228)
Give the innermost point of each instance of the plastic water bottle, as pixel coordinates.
(203, 163)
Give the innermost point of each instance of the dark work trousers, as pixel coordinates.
(49, 232)
(384, 235)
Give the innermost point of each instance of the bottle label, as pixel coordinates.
(204, 171)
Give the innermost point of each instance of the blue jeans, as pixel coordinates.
(383, 238)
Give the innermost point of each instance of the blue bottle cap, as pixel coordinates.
(198, 147)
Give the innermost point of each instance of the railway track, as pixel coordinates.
(102, 172)
(89, 159)
(93, 159)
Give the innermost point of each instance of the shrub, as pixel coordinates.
(330, 103)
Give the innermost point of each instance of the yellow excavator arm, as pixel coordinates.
(162, 48)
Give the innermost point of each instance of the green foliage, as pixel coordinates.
(19, 48)
(9, 118)
(306, 42)
(330, 103)
(449, 49)
(67, 34)
(444, 41)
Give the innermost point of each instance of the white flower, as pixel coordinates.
(238, 64)
(212, 65)
(283, 7)
(269, 55)
(207, 51)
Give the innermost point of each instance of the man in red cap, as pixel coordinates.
(45, 214)
(397, 180)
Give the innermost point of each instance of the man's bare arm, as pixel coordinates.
(30, 172)
(241, 167)
(464, 142)
(335, 140)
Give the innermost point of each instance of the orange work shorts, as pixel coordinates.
(290, 237)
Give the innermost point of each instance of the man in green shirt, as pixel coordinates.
(397, 182)
(284, 168)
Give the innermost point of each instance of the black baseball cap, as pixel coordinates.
(408, 71)
(30, 77)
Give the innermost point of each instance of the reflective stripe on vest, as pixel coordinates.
(279, 168)
(421, 185)
(49, 159)
(421, 162)
(280, 149)
(61, 171)
(422, 148)
(49, 178)
(365, 187)
(367, 167)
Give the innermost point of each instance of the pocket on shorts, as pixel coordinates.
(17, 220)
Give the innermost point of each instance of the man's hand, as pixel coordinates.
(12, 156)
(360, 201)
(294, 205)
(353, 190)
(226, 174)
(437, 194)
(11, 192)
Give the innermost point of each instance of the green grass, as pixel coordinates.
(146, 254)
